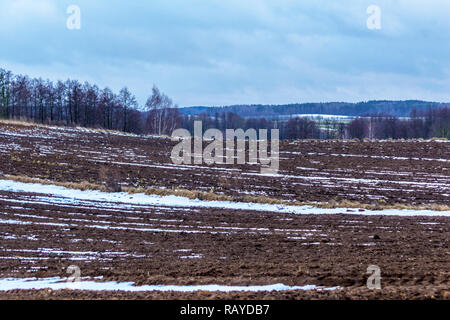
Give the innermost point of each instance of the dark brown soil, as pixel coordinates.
(392, 293)
(408, 172)
(145, 245)
(169, 245)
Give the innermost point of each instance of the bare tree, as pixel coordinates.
(5, 92)
(128, 102)
(163, 116)
(60, 100)
(107, 107)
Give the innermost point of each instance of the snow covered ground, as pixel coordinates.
(57, 283)
(62, 195)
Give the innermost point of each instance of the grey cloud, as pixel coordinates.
(222, 52)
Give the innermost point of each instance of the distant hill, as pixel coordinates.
(395, 108)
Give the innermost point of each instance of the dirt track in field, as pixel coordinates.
(41, 235)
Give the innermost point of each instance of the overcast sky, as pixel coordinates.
(208, 52)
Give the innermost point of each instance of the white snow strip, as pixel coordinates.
(57, 283)
(122, 199)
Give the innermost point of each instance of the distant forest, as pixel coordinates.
(420, 124)
(71, 103)
(393, 108)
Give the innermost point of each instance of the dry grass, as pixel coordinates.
(211, 196)
(84, 185)
(30, 123)
(22, 123)
(439, 139)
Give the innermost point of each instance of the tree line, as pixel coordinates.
(421, 124)
(72, 103)
(394, 108)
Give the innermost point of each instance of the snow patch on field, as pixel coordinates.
(119, 199)
(57, 283)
